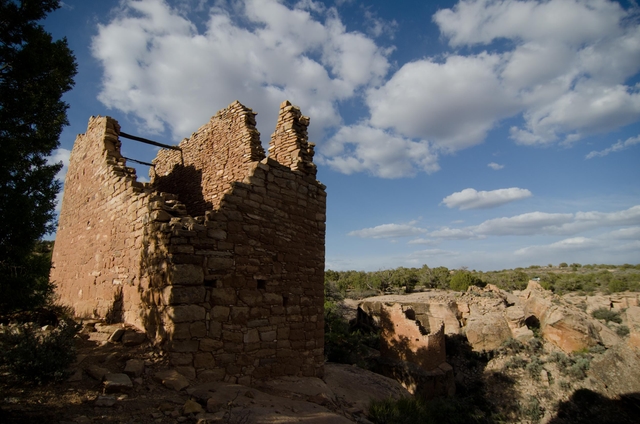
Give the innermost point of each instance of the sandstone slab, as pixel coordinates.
(172, 379)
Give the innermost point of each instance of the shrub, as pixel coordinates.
(340, 343)
(512, 345)
(561, 359)
(411, 411)
(564, 385)
(534, 368)
(616, 286)
(607, 315)
(597, 349)
(622, 331)
(515, 363)
(531, 410)
(32, 355)
(535, 345)
(461, 281)
(578, 370)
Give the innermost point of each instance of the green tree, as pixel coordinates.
(35, 72)
(461, 280)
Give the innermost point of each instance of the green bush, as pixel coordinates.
(413, 411)
(578, 370)
(462, 280)
(531, 410)
(616, 286)
(511, 345)
(561, 359)
(622, 331)
(534, 368)
(33, 355)
(340, 343)
(607, 315)
(535, 345)
(515, 362)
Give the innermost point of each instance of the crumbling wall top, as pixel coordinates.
(289, 143)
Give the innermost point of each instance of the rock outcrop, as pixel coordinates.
(568, 328)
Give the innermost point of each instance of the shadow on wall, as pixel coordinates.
(405, 363)
(115, 313)
(186, 183)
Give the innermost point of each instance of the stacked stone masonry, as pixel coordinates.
(220, 257)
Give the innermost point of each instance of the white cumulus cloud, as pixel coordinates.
(470, 198)
(617, 147)
(564, 66)
(570, 244)
(388, 231)
(495, 166)
(160, 68)
(362, 148)
(565, 72)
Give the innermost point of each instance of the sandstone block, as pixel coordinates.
(185, 313)
(488, 331)
(172, 379)
(185, 274)
(223, 296)
(133, 338)
(252, 336)
(114, 383)
(208, 344)
(134, 367)
(203, 360)
(220, 313)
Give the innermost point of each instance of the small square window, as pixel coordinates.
(262, 284)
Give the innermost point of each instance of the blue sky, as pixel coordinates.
(481, 134)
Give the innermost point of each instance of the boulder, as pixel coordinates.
(598, 302)
(487, 331)
(608, 336)
(133, 338)
(360, 386)
(618, 369)
(192, 407)
(632, 315)
(134, 367)
(172, 379)
(568, 329)
(96, 372)
(114, 383)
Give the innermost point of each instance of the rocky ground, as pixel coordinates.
(522, 374)
(533, 356)
(129, 382)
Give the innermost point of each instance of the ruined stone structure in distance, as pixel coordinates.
(220, 258)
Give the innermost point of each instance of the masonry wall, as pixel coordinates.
(402, 335)
(96, 259)
(237, 292)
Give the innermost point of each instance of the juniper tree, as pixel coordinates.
(35, 71)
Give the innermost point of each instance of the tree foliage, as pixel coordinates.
(35, 72)
(461, 280)
(587, 278)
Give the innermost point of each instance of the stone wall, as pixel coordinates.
(98, 248)
(403, 337)
(234, 293)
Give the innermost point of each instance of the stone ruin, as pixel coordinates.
(219, 258)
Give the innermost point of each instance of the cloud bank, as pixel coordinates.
(469, 198)
(560, 66)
